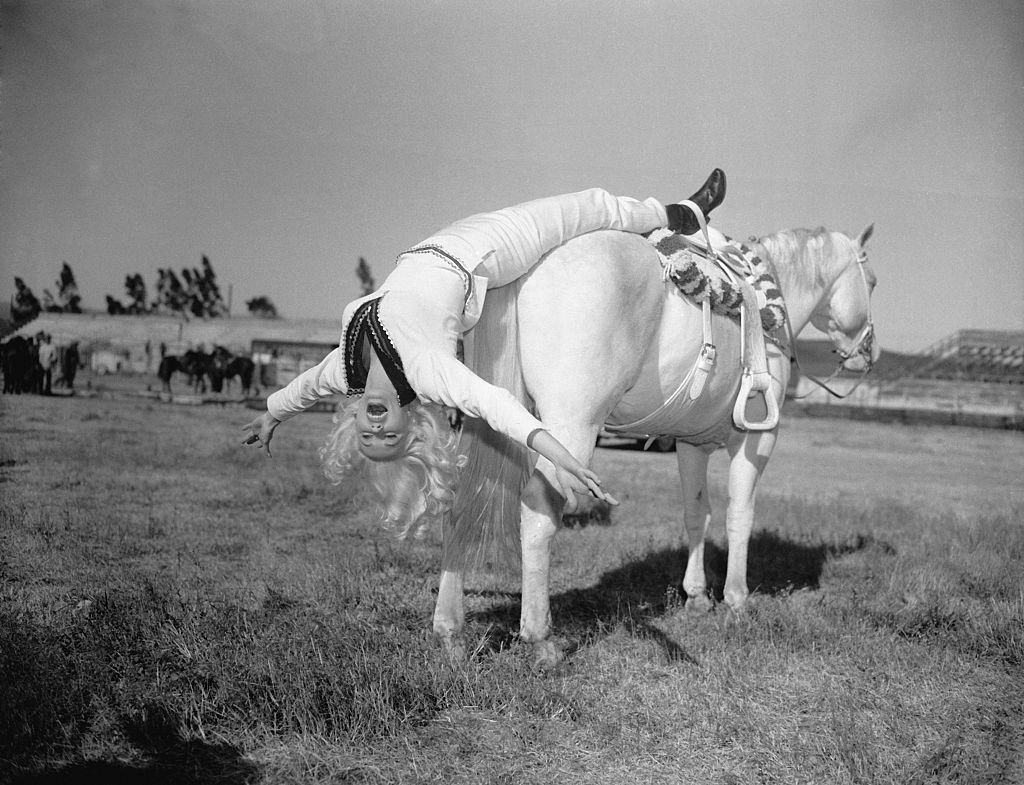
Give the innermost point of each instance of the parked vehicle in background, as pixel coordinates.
(657, 443)
(105, 361)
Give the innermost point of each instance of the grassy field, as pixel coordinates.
(177, 609)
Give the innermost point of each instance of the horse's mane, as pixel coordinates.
(798, 253)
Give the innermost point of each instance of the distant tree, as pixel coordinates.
(365, 276)
(135, 286)
(115, 307)
(262, 306)
(160, 301)
(212, 298)
(49, 304)
(177, 297)
(192, 303)
(25, 306)
(67, 291)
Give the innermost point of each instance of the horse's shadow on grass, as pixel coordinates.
(170, 760)
(51, 691)
(637, 594)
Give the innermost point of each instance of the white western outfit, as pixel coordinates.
(436, 292)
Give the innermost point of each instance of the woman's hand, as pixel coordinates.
(261, 431)
(571, 475)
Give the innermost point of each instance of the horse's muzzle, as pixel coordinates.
(864, 353)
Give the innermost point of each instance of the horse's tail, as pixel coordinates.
(485, 515)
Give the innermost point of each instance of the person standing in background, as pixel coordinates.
(70, 361)
(47, 359)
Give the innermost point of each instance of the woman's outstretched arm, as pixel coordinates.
(573, 476)
(305, 390)
(323, 380)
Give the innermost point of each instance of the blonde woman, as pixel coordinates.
(397, 355)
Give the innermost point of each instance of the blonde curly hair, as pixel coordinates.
(412, 491)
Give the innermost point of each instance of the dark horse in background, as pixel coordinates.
(170, 364)
(208, 367)
(206, 370)
(243, 368)
(197, 366)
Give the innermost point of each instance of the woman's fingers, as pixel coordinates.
(591, 484)
(258, 433)
(604, 496)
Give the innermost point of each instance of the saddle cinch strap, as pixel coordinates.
(756, 380)
(685, 396)
(705, 362)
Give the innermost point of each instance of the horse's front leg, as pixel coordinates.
(693, 475)
(749, 455)
(541, 511)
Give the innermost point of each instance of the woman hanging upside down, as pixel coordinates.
(397, 355)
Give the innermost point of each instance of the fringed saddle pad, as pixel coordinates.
(700, 279)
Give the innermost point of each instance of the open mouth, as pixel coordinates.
(376, 411)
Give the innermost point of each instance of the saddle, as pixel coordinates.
(733, 281)
(700, 275)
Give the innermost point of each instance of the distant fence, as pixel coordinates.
(918, 401)
(1010, 422)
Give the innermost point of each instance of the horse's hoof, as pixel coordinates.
(736, 615)
(698, 604)
(738, 606)
(455, 648)
(547, 654)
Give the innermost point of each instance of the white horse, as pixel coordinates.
(603, 339)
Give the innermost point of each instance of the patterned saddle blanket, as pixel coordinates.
(699, 278)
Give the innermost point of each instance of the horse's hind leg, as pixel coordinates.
(749, 455)
(693, 475)
(450, 614)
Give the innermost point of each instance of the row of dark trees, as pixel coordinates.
(194, 293)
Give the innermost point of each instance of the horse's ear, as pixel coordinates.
(865, 236)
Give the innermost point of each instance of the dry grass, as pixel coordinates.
(177, 609)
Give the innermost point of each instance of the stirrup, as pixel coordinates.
(751, 385)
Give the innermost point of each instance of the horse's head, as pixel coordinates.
(845, 313)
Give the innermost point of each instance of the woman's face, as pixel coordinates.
(382, 426)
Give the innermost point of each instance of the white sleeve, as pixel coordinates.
(309, 387)
(441, 378)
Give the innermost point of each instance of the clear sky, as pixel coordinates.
(287, 139)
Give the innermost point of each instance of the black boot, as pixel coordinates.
(681, 218)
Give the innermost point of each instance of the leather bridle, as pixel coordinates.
(863, 345)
